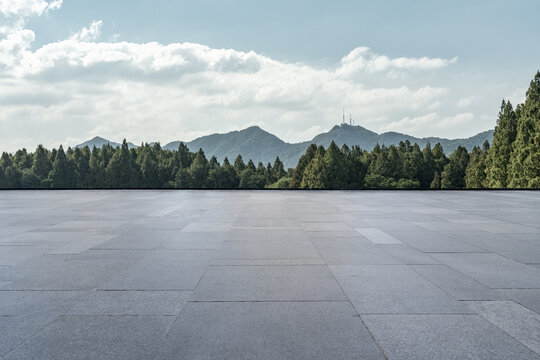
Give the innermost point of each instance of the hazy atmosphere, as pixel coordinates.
(163, 71)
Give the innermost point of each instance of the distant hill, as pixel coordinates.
(100, 142)
(259, 145)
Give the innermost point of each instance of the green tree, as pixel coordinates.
(475, 174)
(120, 171)
(334, 168)
(41, 164)
(199, 170)
(427, 172)
(239, 164)
(277, 169)
(498, 157)
(524, 167)
(315, 173)
(305, 159)
(61, 176)
(453, 176)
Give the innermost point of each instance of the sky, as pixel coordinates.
(176, 70)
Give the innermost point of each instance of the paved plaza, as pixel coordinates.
(269, 275)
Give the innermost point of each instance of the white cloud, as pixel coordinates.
(78, 88)
(91, 33)
(362, 59)
(428, 125)
(27, 8)
(465, 102)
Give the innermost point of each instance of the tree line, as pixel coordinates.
(512, 161)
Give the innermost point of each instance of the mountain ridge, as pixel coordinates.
(259, 145)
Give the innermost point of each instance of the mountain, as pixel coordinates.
(100, 142)
(259, 145)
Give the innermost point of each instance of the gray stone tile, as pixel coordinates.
(57, 272)
(508, 228)
(493, 270)
(377, 236)
(530, 298)
(271, 249)
(76, 247)
(208, 226)
(266, 330)
(393, 289)
(13, 255)
(14, 330)
(96, 337)
(265, 235)
(140, 239)
(163, 270)
(326, 226)
(267, 223)
(339, 252)
(506, 245)
(19, 303)
(124, 303)
(268, 283)
(408, 255)
(432, 241)
(194, 241)
(268, 262)
(455, 283)
(443, 337)
(517, 321)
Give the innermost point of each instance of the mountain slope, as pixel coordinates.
(259, 145)
(100, 142)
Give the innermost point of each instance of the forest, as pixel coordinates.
(511, 161)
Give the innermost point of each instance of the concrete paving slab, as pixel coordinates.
(396, 289)
(266, 330)
(530, 298)
(245, 274)
(268, 283)
(409, 255)
(162, 270)
(346, 252)
(455, 283)
(271, 249)
(137, 240)
(517, 321)
(493, 270)
(96, 337)
(125, 303)
(377, 236)
(444, 337)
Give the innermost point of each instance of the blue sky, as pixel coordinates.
(421, 67)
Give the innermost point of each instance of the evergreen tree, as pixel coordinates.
(298, 173)
(334, 169)
(475, 175)
(439, 157)
(251, 166)
(22, 160)
(239, 164)
(498, 157)
(199, 170)
(184, 156)
(60, 176)
(315, 173)
(277, 171)
(120, 169)
(427, 172)
(453, 176)
(41, 164)
(524, 169)
(436, 183)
